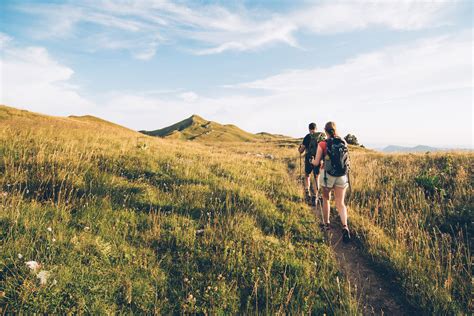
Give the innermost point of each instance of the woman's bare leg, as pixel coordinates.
(326, 198)
(339, 194)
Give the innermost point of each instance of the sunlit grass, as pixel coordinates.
(120, 224)
(414, 214)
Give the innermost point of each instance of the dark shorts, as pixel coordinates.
(309, 168)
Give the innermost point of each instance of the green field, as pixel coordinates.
(122, 222)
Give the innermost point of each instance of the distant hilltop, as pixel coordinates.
(198, 128)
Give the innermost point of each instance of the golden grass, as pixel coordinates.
(414, 213)
(127, 223)
(148, 225)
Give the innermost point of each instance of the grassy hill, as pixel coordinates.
(123, 222)
(197, 128)
(26, 120)
(161, 226)
(413, 214)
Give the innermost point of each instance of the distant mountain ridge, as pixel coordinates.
(417, 149)
(198, 128)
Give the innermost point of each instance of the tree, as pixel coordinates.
(351, 139)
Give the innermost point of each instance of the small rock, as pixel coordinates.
(33, 265)
(43, 276)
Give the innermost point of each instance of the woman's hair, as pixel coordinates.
(330, 128)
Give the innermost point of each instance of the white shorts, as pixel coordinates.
(331, 182)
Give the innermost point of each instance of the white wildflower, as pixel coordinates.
(20, 256)
(33, 265)
(54, 239)
(43, 276)
(49, 229)
(87, 228)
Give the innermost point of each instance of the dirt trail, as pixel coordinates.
(376, 293)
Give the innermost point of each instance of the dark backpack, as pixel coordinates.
(336, 162)
(316, 138)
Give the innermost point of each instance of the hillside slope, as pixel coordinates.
(16, 118)
(197, 128)
(120, 228)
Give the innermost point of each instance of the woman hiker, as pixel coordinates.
(334, 155)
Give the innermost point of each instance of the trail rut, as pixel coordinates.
(377, 293)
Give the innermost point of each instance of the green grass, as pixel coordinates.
(414, 214)
(159, 226)
(197, 128)
(150, 225)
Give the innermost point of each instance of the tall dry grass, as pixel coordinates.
(142, 225)
(414, 214)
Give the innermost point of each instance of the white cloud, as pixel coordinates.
(31, 78)
(4, 39)
(415, 93)
(189, 96)
(422, 88)
(343, 16)
(140, 26)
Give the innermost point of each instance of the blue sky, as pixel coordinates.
(391, 72)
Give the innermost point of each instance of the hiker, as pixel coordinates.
(334, 155)
(310, 145)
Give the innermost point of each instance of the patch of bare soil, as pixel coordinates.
(378, 294)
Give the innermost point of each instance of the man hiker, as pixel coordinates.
(310, 146)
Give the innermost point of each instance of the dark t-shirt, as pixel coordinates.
(306, 141)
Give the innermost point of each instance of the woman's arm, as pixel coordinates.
(319, 153)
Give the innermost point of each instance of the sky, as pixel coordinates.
(390, 72)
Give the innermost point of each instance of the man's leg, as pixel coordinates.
(315, 187)
(308, 168)
(307, 182)
(308, 189)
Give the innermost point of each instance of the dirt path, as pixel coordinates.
(377, 294)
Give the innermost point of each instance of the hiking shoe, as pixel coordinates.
(346, 235)
(307, 198)
(325, 227)
(313, 200)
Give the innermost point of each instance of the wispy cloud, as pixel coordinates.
(386, 96)
(418, 92)
(424, 86)
(4, 39)
(343, 16)
(31, 78)
(141, 26)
